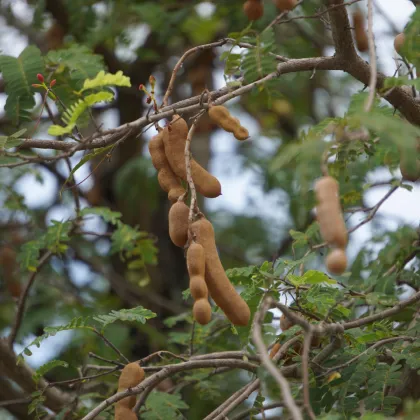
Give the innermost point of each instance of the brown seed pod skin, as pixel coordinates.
(168, 181)
(175, 193)
(274, 350)
(253, 9)
(131, 375)
(360, 34)
(285, 323)
(198, 287)
(328, 212)
(196, 260)
(124, 413)
(285, 5)
(202, 311)
(178, 223)
(220, 288)
(336, 261)
(221, 116)
(205, 183)
(399, 42)
(8, 267)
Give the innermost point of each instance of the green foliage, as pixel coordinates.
(42, 370)
(19, 74)
(160, 405)
(138, 314)
(7, 142)
(106, 79)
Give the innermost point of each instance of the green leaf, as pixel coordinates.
(106, 79)
(42, 370)
(85, 159)
(317, 277)
(163, 406)
(138, 314)
(19, 74)
(107, 214)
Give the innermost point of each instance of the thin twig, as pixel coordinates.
(22, 300)
(305, 373)
(278, 376)
(109, 344)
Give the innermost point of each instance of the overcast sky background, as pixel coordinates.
(238, 185)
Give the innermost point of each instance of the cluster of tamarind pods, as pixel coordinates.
(254, 9)
(207, 275)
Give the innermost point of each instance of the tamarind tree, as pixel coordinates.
(117, 214)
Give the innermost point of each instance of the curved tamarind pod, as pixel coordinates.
(274, 350)
(221, 116)
(178, 223)
(205, 183)
(399, 42)
(124, 413)
(285, 5)
(202, 311)
(220, 288)
(196, 260)
(175, 193)
(328, 212)
(253, 9)
(360, 34)
(131, 375)
(168, 181)
(336, 261)
(285, 323)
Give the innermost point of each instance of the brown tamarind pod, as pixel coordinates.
(202, 311)
(205, 183)
(336, 261)
(360, 34)
(285, 323)
(198, 287)
(221, 116)
(219, 286)
(399, 42)
(178, 223)
(131, 375)
(196, 260)
(168, 181)
(329, 214)
(275, 350)
(8, 267)
(124, 413)
(285, 5)
(253, 9)
(175, 193)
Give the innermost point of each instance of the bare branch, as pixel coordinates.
(372, 58)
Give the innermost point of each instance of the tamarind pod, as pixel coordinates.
(221, 116)
(131, 375)
(399, 42)
(274, 350)
(178, 223)
(8, 259)
(202, 311)
(241, 133)
(220, 288)
(336, 261)
(253, 9)
(198, 287)
(175, 193)
(196, 260)
(124, 413)
(205, 183)
(409, 172)
(285, 323)
(328, 212)
(167, 179)
(360, 34)
(285, 5)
